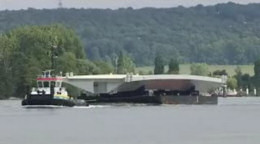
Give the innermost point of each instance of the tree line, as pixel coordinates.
(239, 81)
(220, 34)
(25, 52)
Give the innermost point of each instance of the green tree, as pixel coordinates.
(67, 63)
(232, 83)
(8, 45)
(243, 80)
(158, 65)
(85, 66)
(125, 64)
(178, 32)
(238, 76)
(220, 72)
(174, 67)
(257, 75)
(199, 69)
(105, 68)
(26, 51)
(247, 82)
(257, 68)
(120, 64)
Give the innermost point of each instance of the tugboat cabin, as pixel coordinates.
(45, 82)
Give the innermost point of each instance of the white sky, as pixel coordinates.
(113, 4)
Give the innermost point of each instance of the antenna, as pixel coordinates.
(60, 5)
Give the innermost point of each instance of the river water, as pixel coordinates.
(232, 121)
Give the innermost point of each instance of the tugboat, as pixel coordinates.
(49, 91)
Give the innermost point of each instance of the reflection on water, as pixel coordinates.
(233, 121)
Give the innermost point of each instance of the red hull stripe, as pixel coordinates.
(48, 79)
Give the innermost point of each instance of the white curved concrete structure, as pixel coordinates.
(107, 83)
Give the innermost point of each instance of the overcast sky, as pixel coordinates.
(113, 4)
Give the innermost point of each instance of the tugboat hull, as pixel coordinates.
(48, 100)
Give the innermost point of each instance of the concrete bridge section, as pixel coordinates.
(96, 83)
(110, 82)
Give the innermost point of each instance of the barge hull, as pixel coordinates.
(166, 99)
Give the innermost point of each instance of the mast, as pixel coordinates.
(53, 66)
(53, 47)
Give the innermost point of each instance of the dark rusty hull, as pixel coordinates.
(180, 93)
(129, 99)
(164, 99)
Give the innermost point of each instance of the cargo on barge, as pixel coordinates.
(154, 92)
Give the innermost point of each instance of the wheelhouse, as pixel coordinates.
(46, 80)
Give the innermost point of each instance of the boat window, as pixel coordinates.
(47, 74)
(53, 83)
(58, 84)
(39, 84)
(46, 84)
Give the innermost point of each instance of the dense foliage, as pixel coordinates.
(244, 81)
(158, 65)
(174, 67)
(25, 52)
(220, 34)
(257, 75)
(124, 64)
(199, 69)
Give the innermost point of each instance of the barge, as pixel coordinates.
(155, 91)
